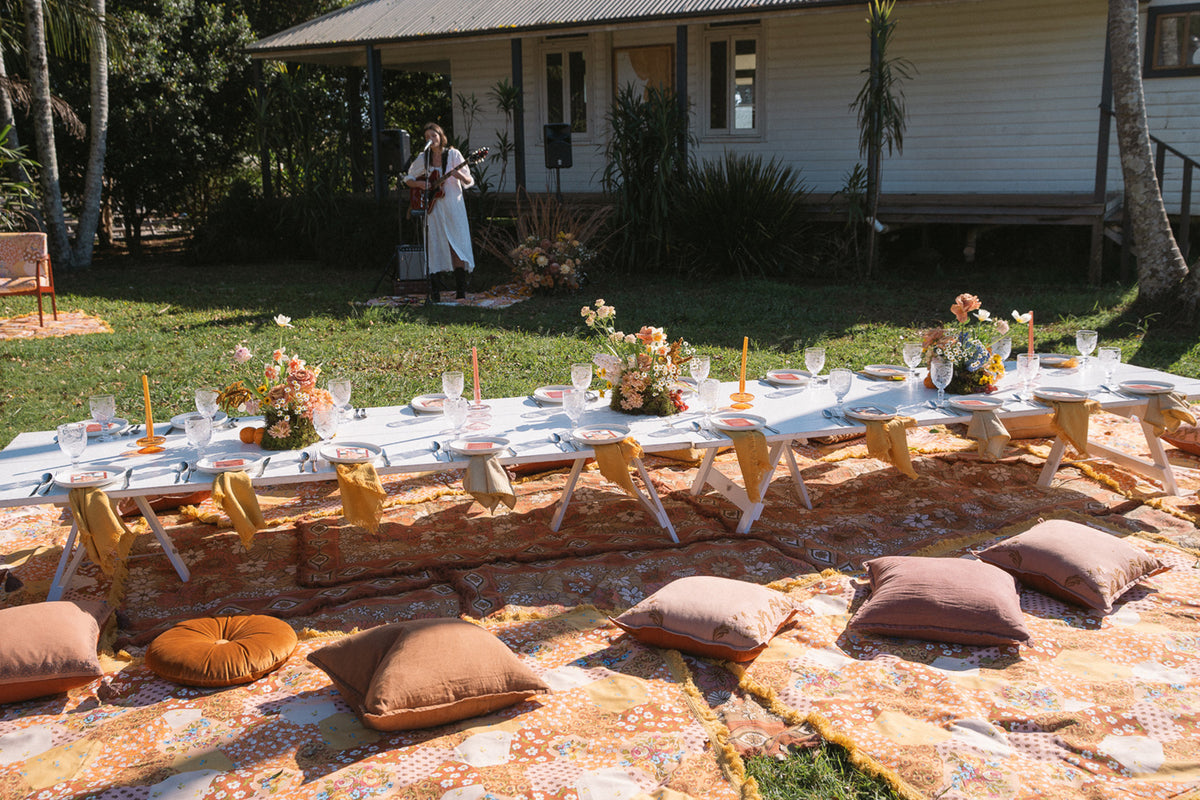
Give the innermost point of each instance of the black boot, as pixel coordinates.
(435, 294)
(460, 283)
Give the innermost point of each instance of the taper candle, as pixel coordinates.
(149, 416)
(1030, 333)
(475, 372)
(742, 378)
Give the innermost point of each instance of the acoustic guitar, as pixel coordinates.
(425, 199)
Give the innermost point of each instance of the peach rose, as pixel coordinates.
(964, 304)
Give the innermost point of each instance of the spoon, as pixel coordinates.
(436, 447)
(561, 442)
(45, 481)
(304, 457)
(180, 468)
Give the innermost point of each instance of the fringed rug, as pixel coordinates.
(502, 296)
(69, 323)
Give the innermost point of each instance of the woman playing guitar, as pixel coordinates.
(442, 173)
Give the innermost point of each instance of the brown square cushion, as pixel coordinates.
(1185, 437)
(710, 616)
(1073, 562)
(941, 599)
(425, 672)
(221, 651)
(47, 648)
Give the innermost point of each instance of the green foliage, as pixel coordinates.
(880, 102)
(741, 216)
(821, 774)
(644, 166)
(16, 196)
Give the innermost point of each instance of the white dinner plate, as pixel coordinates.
(83, 477)
(114, 426)
(1060, 394)
(551, 394)
(974, 402)
(180, 420)
(599, 434)
(736, 421)
(1147, 387)
(429, 403)
(892, 372)
(1058, 360)
(478, 445)
(788, 377)
(227, 462)
(349, 452)
(870, 411)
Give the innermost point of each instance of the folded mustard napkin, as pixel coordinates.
(362, 495)
(751, 450)
(987, 429)
(1164, 412)
(487, 481)
(887, 440)
(234, 493)
(615, 459)
(1070, 421)
(101, 530)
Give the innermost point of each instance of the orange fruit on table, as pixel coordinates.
(246, 435)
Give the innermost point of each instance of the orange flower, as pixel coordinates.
(650, 335)
(964, 304)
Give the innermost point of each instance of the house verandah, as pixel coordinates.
(1006, 109)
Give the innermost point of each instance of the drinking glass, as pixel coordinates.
(455, 412)
(1003, 347)
(581, 376)
(698, 366)
(1109, 358)
(941, 372)
(199, 431)
(709, 395)
(573, 403)
(72, 440)
(341, 394)
(1086, 342)
(1027, 370)
(911, 353)
(325, 421)
(814, 359)
(103, 408)
(452, 385)
(840, 380)
(206, 402)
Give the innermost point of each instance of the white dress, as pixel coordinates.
(448, 221)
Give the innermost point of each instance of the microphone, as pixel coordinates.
(428, 144)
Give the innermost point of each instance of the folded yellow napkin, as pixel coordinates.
(362, 494)
(1070, 421)
(987, 429)
(101, 530)
(615, 459)
(1164, 412)
(487, 481)
(234, 493)
(751, 450)
(887, 441)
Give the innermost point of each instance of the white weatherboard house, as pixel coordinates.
(1005, 120)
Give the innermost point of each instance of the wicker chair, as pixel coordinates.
(25, 268)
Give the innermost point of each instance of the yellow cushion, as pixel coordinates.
(221, 651)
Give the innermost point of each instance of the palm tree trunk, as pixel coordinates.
(8, 120)
(43, 121)
(93, 181)
(1160, 265)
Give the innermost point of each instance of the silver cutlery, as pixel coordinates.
(262, 467)
(180, 468)
(707, 434)
(436, 447)
(304, 457)
(187, 471)
(537, 402)
(387, 462)
(45, 490)
(168, 430)
(128, 475)
(772, 430)
(134, 430)
(360, 413)
(563, 443)
(47, 477)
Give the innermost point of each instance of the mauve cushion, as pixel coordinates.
(47, 648)
(941, 599)
(1074, 562)
(710, 616)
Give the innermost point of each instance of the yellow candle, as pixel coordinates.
(742, 378)
(149, 418)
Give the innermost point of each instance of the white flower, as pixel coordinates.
(1025, 318)
(983, 314)
(283, 322)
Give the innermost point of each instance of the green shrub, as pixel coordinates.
(741, 215)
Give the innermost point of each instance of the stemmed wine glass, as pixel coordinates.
(341, 395)
(452, 384)
(1109, 358)
(103, 408)
(698, 366)
(911, 353)
(1027, 370)
(1002, 347)
(198, 428)
(455, 412)
(325, 421)
(581, 376)
(206, 402)
(814, 359)
(1086, 342)
(941, 372)
(840, 380)
(573, 404)
(72, 440)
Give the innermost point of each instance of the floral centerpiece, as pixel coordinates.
(976, 368)
(642, 369)
(546, 265)
(285, 393)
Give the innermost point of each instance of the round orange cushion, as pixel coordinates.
(221, 651)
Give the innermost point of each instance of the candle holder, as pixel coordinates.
(741, 400)
(479, 417)
(150, 444)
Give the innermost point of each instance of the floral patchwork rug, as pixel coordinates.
(502, 296)
(69, 323)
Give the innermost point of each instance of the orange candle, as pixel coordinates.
(1030, 333)
(475, 371)
(149, 418)
(742, 378)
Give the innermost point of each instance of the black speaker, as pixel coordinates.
(394, 150)
(558, 145)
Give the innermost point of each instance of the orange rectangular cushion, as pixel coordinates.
(47, 648)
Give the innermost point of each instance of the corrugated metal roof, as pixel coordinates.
(382, 21)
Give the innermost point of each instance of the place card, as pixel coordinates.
(480, 446)
(229, 463)
(740, 422)
(86, 477)
(352, 452)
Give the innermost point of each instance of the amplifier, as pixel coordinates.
(410, 270)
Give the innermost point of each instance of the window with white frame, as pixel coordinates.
(564, 72)
(732, 61)
(1172, 41)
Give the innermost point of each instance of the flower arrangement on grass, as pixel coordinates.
(286, 394)
(642, 369)
(976, 368)
(547, 265)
